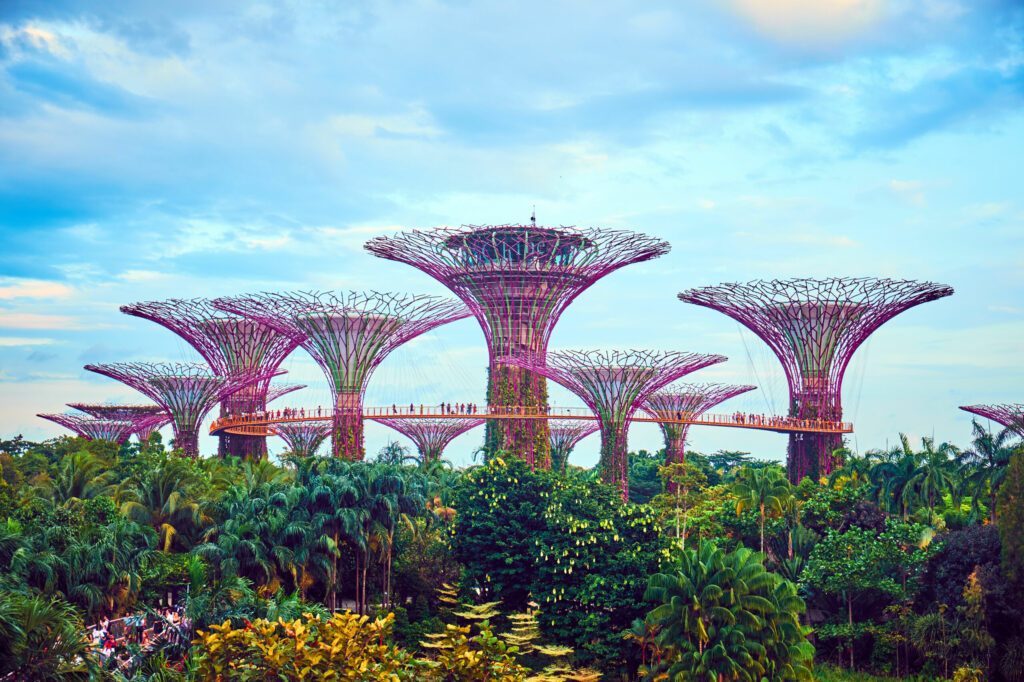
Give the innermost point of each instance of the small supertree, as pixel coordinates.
(348, 334)
(233, 346)
(91, 428)
(565, 434)
(303, 438)
(814, 326)
(275, 392)
(186, 390)
(430, 435)
(146, 418)
(1009, 415)
(614, 384)
(518, 280)
(687, 401)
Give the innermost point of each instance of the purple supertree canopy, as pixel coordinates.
(686, 401)
(302, 438)
(348, 335)
(814, 326)
(565, 435)
(275, 392)
(147, 418)
(187, 391)
(431, 436)
(91, 428)
(518, 280)
(1009, 415)
(232, 345)
(614, 384)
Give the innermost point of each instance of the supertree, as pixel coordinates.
(233, 346)
(614, 384)
(686, 401)
(146, 418)
(1009, 415)
(186, 390)
(431, 436)
(302, 438)
(518, 280)
(113, 430)
(814, 326)
(348, 335)
(565, 434)
(275, 392)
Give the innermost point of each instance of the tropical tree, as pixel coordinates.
(934, 475)
(983, 466)
(161, 498)
(42, 638)
(763, 489)
(81, 476)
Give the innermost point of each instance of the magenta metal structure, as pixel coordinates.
(113, 430)
(233, 346)
(146, 418)
(275, 392)
(814, 326)
(1010, 415)
(349, 335)
(186, 390)
(517, 280)
(431, 436)
(686, 401)
(303, 438)
(565, 435)
(614, 384)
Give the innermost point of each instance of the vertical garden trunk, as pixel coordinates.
(509, 388)
(347, 434)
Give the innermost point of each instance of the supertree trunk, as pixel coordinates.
(187, 440)
(347, 433)
(614, 462)
(528, 439)
(246, 401)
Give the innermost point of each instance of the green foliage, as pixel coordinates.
(644, 480)
(42, 638)
(1010, 510)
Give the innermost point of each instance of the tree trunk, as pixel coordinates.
(849, 614)
(762, 528)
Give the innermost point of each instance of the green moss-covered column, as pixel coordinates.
(509, 388)
(347, 430)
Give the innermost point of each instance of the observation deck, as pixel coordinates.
(261, 424)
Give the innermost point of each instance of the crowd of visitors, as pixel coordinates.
(113, 638)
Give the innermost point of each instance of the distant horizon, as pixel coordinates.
(221, 149)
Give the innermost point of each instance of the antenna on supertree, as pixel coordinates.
(1010, 416)
(186, 390)
(686, 401)
(431, 436)
(232, 345)
(814, 326)
(302, 438)
(614, 384)
(275, 392)
(146, 418)
(518, 280)
(113, 430)
(348, 335)
(565, 435)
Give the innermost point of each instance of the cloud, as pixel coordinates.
(816, 24)
(11, 320)
(17, 341)
(12, 288)
(911, 191)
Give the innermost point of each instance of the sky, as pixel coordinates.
(215, 148)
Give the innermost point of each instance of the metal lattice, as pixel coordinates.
(275, 392)
(430, 436)
(113, 430)
(303, 438)
(1010, 415)
(146, 418)
(614, 384)
(685, 401)
(565, 435)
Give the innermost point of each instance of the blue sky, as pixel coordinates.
(225, 147)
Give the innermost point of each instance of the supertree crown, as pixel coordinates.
(145, 418)
(275, 392)
(690, 400)
(350, 333)
(431, 436)
(1009, 415)
(517, 279)
(186, 390)
(303, 438)
(814, 325)
(565, 434)
(91, 428)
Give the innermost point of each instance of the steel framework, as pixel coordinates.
(186, 390)
(517, 280)
(233, 346)
(1010, 415)
(685, 401)
(275, 392)
(348, 335)
(614, 384)
(146, 418)
(814, 326)
(565, 435)
(303, 438)
(431, 436)
(91, 428)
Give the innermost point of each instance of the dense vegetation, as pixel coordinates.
(903, 563)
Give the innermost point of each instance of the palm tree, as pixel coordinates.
(892, 477)
(160, 499)
(856, 469)
(934, 475)
(763, 489)
(81, 476)
(983, 467)
(42, 638)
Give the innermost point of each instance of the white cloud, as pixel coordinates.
(16, 341)
(911, 191)
(11, 320)
(11, 288)
(814, 24)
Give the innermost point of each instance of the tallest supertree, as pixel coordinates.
(814, 326)
(232, 345)
(518, 280)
